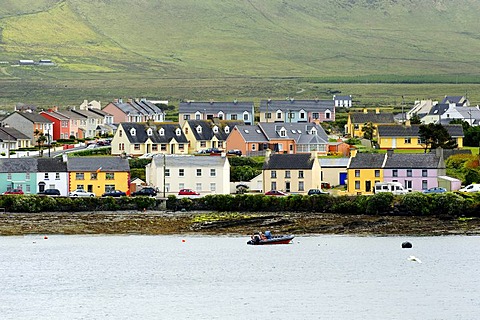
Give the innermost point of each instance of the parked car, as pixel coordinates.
(210, 151)
(188, 193)
(146, 156)
(81, 193)
(146, 192)
(234, 152)
(49, 192)
(435, 190)
(114, 193)
(474, 187)
(312, 192)
(14, 191)
(276, 193)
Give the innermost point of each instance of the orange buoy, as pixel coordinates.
(45, 237)
(183, 240)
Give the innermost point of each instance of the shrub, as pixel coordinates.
(380, 203)
(416, 203)
(448, 204)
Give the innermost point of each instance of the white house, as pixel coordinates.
(204, 174)
(52, 174)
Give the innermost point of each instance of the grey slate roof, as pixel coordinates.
(360, 117)
(296, 105)
(141, 132)
(6, 134)
(18, 165)
(458, 100)
(455, 130)
(72, 115)
(412, 161)
(51, 165)
(215, 107)
(138, 107)
(34, 117)
(289, 161)
(367, 161)
(207, 126)
(333, 162)
(94, 163)
(438, 109)
(296, 131)
(188, 161)
(252, 133)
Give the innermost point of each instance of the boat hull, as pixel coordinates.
(271, 241)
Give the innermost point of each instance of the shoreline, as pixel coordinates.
(214, 223)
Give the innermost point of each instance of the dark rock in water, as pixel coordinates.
(406, 244)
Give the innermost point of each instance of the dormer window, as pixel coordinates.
(199, 129)
(279, 114)
(178, 132)
(246, 116)
(328, 114)
(313, 131)
(227, 129)
(303, 115)
(198, 115)
(161, 132)
(283, 132)
(215, 129)
(133, 132)
(221, 115)
(149, 132)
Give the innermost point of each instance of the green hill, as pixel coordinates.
(321, 41)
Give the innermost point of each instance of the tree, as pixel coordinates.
(434, 136)
(415, 119)
(368, 129)
(41, 138)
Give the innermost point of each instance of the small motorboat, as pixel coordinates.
(267, 238)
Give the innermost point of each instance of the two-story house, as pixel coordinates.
(135, 139)
(18, 173)
(52, 173)
(99, 174)
(363, 171)
(93, 120)
(29, 124)
(77, 123)
(134, 110)
(407, 136)
(294, 111)
(203, 134)
(292, 173)
(342, 101)
(11, 139)
(236, 111)
(60, 123)
(204, 174)
(357, 120)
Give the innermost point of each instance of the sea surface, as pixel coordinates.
(185, 277)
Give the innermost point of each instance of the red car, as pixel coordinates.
(14, 191)
(188, 192)
(275, 193)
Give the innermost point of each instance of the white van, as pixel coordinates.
(393, 187)
(474, 187)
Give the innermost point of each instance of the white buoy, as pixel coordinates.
(415, 259)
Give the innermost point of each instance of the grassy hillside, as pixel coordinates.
(252, 48)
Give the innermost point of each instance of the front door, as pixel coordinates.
(287, 186)
(368, 186)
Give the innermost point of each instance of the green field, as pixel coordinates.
(376, 50)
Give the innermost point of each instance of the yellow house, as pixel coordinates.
(135, 139)
(363, 171)
(204, 134)
(357, 120)
(292, 173)
(406, 136)
(99, 174)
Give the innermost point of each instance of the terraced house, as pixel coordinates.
(136, 139)
(363, 171)
(357, 120)
(204, 134)
(295, 111)
(134, 110)
(99, 174)
(236, 111)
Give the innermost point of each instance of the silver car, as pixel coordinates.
(81, 193)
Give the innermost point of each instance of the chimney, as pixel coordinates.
(377, 110)
(365, 110)
(268, 154)
(65, 157)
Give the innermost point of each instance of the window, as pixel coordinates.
(287, 174)
(213, 172)
(328, 114)
(93, 176)
(9, 176)
(203, 144)
(302, 115)
(167, 187)
(181, 186)
(181, 172)
(213, 187)
(27, 188)
(198, 187)
(57, 177)
(109, 187)
(424, 184)
(181, 146)
(357, 173)
(199, 172)
(409, 172)
(268, 115)
(273, 185)
(273, 174)
(110, 176)
(291, 115)
(357, 185)
(254, 147)
(27, 176)
(283, 133)
(301, 186)
(79, 176)
(161, 132)
(279, 116)
(395, 173)
(424, 173)
(300, 174)
(355, 126)
(245, 116)
(80, 186)
(136, 146)
(408, 140)
(154, 147)
(315, 115)
(186, 117)
(408, 184)
(46, 176)
(120, 133)
(377, 173)
(163, 147)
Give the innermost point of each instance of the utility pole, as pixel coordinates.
(164, 173)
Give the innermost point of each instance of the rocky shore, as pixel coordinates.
(206, 223)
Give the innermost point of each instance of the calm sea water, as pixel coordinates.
(182, 277)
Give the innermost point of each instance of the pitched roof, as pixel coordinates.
(189, 161)
(367, 161)
(412, 161)
(11, 134)
(454, 130)
(296, 105)
(138, 107)
(141, 135)
(458, 100)
(295, 131)
(72, 115)
(34, 117)
(11, 165)
(94, 163)
(55, 115)
(207, 129)
(438, 109)
(51, 165)
(333, 162)
(251, 133)
(215, 107)
(289, 161)
(361, 117)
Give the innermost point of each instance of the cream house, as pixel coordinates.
(204, 174)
